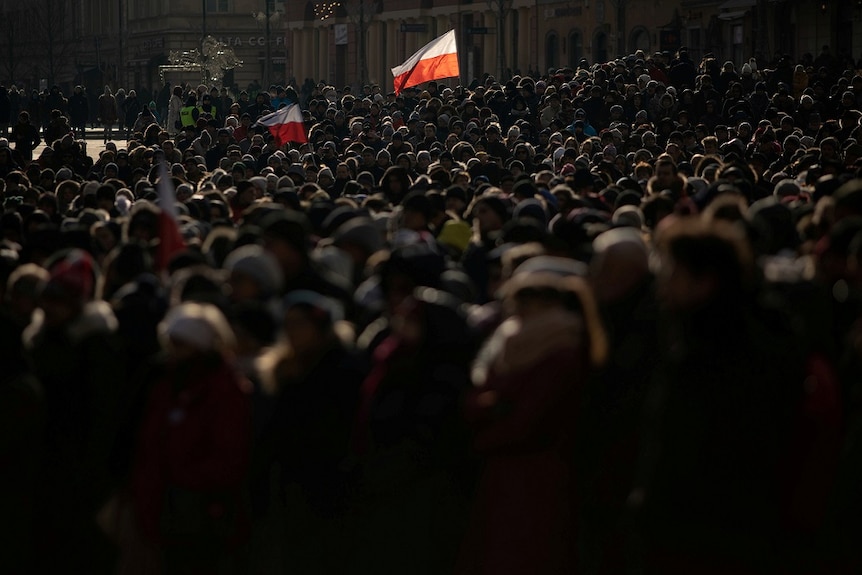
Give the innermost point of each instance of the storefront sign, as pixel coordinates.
(238, 41)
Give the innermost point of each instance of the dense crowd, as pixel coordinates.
(604, 320)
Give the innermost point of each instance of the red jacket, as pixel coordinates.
(524, 516)
(195, 436)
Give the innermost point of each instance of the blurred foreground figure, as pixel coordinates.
(75, 357)
(712, 488)
(610, 435)
(302, 423)
(193, 448)
(529, 380)
(409, 443)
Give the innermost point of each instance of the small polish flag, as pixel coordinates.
(437, 59)
(170, 239)
(285, 125)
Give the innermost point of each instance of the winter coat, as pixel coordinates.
(174, 107)
(523, 517)
(120, 98)
(55, 101)
(26, 138)
(80, 370)
(56, 129)
(192, 456)
(5, 107)
(79, 109)
(800, 82)
(107, 109)
(609, 430)
(718, 422)
(298, 476)
(548, 115)
(682, 74)
(131, 108)
(21, 433)
(144, 120)
(408, 512)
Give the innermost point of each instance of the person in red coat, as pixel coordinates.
(528, 381)
(193, 448)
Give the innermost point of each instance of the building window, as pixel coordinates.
(738, 41)
(384, 45)
(600, 47)
(552, 50)
(516, 31)
(218, 5)
(695, 44)
(640, 40)
(576, 48)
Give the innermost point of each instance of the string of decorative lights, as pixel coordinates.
(324, 10)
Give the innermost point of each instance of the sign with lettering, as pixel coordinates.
(237, 41)
(153, 44)
(340, 34)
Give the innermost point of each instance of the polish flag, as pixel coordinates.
(171, 240)
(437, 59)
(285, 125)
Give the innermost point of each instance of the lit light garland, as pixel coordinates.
(212, 59)
(324, 10)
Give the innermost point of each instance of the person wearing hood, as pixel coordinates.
(22, 405)
(625, 292)
(683, 72)
(73, 352)
(667, 106)
(709, 488)
(173, 123)
(145, 119)
(79, 111)
(585, 127)
(304, 407)
(408, 442)
(193, 447)
(734, 103)
(25, 135)
(524, 405)
(489, 213)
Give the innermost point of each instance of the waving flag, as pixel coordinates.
(437, 59)
(285, 125)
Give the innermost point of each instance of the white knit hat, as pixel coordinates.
(198, 325)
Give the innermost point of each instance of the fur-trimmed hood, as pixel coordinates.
(96, 318)
(518, 344)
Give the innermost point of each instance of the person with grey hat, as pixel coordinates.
(254, 274)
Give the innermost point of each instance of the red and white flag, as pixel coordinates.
(171, 241)
(285, 125)
(435, 60)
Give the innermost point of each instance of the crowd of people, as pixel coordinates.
(604, 320)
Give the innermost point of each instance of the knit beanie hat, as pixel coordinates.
(72, 276)
(455, 234)
(256, 263)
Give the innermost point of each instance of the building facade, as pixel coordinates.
(125, 42)
(503, 37)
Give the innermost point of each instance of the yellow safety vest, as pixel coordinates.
(187, 116)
